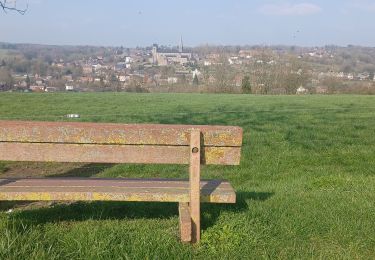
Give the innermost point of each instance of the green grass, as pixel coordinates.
(305, 186)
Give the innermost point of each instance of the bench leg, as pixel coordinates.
(195, 163)
(185, 221)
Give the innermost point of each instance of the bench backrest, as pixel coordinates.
(116, 143)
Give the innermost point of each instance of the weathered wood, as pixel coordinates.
(195, 161)
(52, 152)
(126, 134)
(123, 143)
(185, 221)
(118, 189)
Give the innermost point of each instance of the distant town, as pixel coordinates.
(204, 69)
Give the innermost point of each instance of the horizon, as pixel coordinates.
(187, 46)
(219, 23)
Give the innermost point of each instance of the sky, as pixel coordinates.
(218, 22)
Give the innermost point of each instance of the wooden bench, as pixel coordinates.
(123, 143)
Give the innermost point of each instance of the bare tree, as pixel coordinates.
(12, 6)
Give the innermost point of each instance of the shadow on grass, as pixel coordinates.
(213, 211)
(81, 211)
(87, 170)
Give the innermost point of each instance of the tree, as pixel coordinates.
(114, 83)
(333, 84)
(6, 79)
(28, 81)
(195, 80)
(371, 75)
(246, 85)
(12, 6)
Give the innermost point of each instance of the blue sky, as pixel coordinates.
(143, 22)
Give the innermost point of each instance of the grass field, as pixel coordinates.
(305, 186)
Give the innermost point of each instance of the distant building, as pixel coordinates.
(50, 89)
(172, 80)
(128, 59)
(163, 58)
(69, 87)
(363, 76)
(247, 53)
(87, 69)
(86, 79)
(301, 90)
(37, 88)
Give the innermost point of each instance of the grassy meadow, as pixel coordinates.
(305, 186)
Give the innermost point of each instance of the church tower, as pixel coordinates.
(181, 46)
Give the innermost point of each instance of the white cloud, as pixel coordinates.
(290, 9)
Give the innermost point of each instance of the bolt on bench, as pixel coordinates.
(123, 143)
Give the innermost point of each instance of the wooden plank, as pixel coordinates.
(48, 152)
(126, 134)
(221, 155)
(92, 189)
(194, 170)
(185, 221)
(110, 182)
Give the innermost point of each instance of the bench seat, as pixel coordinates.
(95, 189)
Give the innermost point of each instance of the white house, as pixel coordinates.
(50, 89)
(301, 90)
(128, 59)
(172, 80)
(69, 87)
(121, 78)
